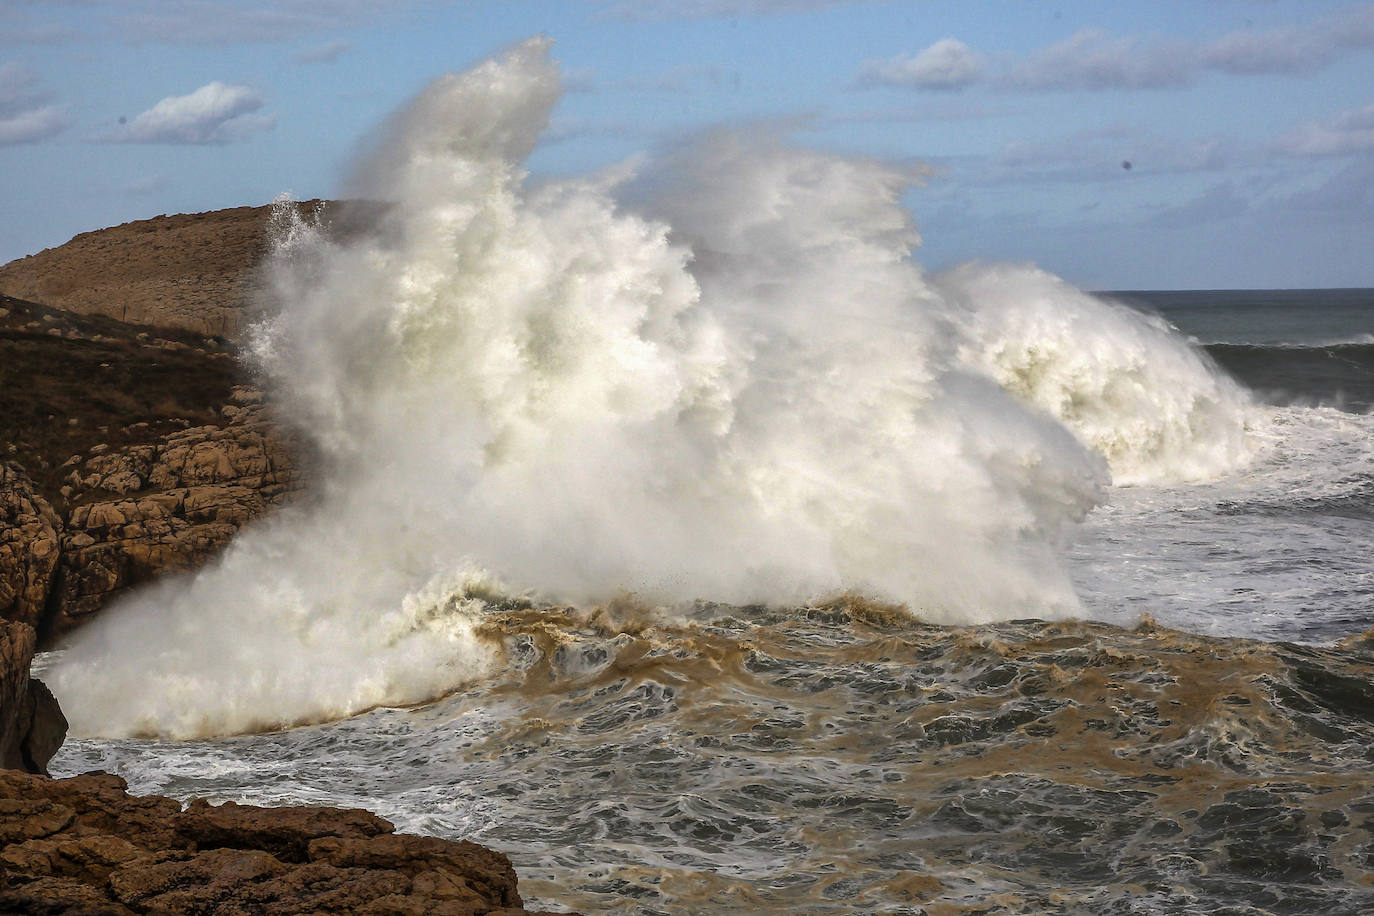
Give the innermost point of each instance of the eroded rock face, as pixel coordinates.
(150, 508)
(85, 844)
(31, 724)
(30, 538)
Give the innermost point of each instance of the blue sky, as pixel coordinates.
(1248, 124)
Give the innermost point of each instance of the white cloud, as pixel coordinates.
(326, 53)
(24, 116)
(948, 64)
(1349, 132)
(214, 113)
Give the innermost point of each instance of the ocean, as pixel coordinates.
(682, 538)
(1280, 551)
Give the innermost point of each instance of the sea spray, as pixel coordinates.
(745, 391)
(1159, 411)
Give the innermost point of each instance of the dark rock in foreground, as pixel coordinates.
(84, 845)
(31, 723)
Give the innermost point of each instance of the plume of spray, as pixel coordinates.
(747, 392)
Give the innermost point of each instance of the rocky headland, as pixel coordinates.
(191, 272)
(133, 444)
(127, 452)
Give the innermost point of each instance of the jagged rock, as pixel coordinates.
(31, 724)
(85, 844)
(30, 536)
(150, 508)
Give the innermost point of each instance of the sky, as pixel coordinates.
(1126, 145)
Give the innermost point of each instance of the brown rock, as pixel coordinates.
(30, 535)
(193, 272)
(86, 845)
(168, 505)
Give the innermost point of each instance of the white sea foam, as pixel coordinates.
(1125, 382)
(748, 392)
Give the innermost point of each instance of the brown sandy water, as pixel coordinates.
(848, 758)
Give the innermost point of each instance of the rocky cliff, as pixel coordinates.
(128, 452)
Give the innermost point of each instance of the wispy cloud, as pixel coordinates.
(25, 116)
(1294, 49)
(1102, 153)
(713, 9)
(31, 126)
(1345, 197)
(326, 53)
(688, 78)
(146, 186)
(948, 64)
(1348, 132)
(214, 113)
(1095, 59)
(216, 22)
(1221, 201)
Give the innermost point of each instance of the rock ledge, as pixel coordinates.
(84, 845)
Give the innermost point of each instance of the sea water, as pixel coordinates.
(651, 490)
(1281, 549)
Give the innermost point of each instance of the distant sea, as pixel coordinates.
(1281, 549)
(1289, 346)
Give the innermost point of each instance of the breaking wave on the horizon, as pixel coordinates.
(744, 390)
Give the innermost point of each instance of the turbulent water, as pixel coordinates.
(606, 463)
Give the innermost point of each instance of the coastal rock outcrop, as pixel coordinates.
(84, 845)
(30, 537)
(129, 452)
(31, 724)
(166, 505)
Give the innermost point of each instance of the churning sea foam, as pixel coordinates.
(743, 391)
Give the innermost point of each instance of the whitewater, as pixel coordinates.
(584, 446)
(746, 392)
